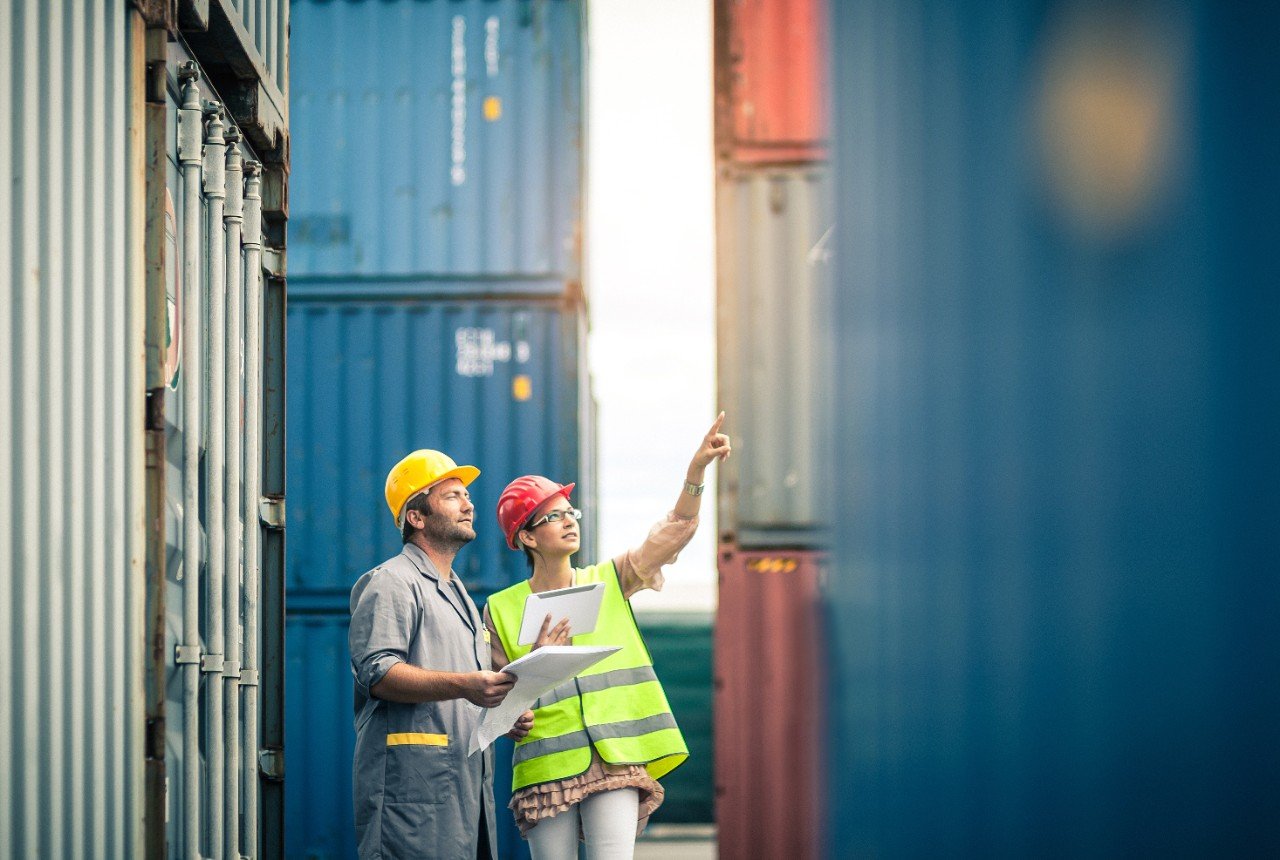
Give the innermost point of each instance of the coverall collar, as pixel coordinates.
(451, 595)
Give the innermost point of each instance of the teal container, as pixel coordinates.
(680, 644)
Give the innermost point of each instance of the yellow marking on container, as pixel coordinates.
(420, 739)
(772, 564)
(493, 108)
(522, 387)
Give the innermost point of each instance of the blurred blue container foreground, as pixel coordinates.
(1055, 596)
(435, 300)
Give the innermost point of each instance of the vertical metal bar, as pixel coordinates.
(100, 594)
(215, 460)
(157, 318)
(273, 485)
(233, 218)
(53, 422)
(252, 490)
(189, 156)
(135, 437)
(10, 347)
(73, 246)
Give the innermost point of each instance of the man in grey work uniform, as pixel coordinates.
(419, 653)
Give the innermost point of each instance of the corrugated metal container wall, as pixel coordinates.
(439, 141)
(681, 646)
(771, 70)
(212, 283)
(436, 197)
(71, 445)
(129, 220)
(773, 302)
(491, 383)
(498, 385)
(1053, 611)
(770, 728)
(243, 46)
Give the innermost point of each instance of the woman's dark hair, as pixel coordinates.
(420, 503)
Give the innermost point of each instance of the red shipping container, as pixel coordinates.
(771, 74)
(769, 705)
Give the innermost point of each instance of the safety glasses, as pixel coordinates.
(555, 517)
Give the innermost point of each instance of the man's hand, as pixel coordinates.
(488, 689)
(558, 635)
(522, 727)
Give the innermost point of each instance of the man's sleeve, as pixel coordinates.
(382, 624)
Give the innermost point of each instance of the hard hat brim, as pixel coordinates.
(465, 474)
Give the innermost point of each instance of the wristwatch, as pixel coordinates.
(694, 489)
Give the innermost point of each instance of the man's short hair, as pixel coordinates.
(420, 503)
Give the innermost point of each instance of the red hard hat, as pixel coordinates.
(521, 500)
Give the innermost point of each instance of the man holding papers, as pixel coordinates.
(599, 742)
(420, 657)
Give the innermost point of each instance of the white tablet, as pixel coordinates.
(579, 603)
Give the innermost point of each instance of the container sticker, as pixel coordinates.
(478, 349)
(491, 55)
(522, 388)
(493, 108)
(773, 564)
(458, 112)
(172, 294)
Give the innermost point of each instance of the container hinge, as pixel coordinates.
(231, 669)
(187, 654)
(273, 261)
(248, 677)
(271, 763)
(211, 663)
(271, 511)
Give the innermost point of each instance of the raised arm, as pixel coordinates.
(641, 567)
(715, 446)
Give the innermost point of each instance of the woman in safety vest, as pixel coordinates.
(599, 743)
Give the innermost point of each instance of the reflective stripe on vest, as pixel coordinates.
(617, 706)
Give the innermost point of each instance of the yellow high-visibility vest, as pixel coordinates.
(618, 706)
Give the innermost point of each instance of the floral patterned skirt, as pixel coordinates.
(533, 803)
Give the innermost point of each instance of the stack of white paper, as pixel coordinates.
(537, 673)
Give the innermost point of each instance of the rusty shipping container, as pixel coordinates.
(771, 80)
(769, 695)
(141, 614)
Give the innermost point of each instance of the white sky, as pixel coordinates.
(650, 270)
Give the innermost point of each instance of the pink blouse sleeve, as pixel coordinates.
(497, 654)
(641, 568)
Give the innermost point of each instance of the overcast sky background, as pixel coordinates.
(650, 270)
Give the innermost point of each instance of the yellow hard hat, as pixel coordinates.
(422, 469)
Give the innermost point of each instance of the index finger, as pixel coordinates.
(506, 678)
(715, 425)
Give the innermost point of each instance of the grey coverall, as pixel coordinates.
(417, 792)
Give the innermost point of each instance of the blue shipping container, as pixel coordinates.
(320, 822)
(438, 142)
(1054, 604)
(501, 385)
(495, 384)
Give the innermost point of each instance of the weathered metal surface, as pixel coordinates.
(773, 303)
(771, 80)
(770, 650)
(72, 446)
(439, 142)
